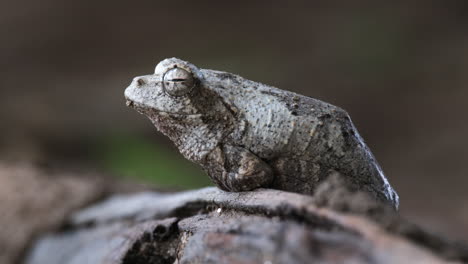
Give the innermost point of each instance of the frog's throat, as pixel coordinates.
(145, 110)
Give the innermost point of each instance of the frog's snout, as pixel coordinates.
(130, 93)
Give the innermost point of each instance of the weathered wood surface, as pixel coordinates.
(36, 199)
(263, 226)
(33, 201)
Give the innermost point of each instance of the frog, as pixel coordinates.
(247, 135)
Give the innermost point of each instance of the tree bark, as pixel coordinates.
(337, 225)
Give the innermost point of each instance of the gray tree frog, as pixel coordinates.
(247, 135)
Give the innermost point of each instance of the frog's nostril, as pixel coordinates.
(140, 82)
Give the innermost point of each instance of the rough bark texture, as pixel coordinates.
(208, 225)
(36, 199)
(33, 201)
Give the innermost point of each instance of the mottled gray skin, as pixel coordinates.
(248, 135)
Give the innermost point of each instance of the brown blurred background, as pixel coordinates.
(399, 69)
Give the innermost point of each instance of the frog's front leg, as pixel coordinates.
(237, 169)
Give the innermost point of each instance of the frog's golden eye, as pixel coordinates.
(178, 82)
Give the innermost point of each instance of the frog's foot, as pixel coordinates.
(237, 169)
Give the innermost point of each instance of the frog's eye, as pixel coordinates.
(178, 82)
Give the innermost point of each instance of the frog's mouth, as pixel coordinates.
(136, 106)
(129, 103)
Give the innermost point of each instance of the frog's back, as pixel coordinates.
(302, 138)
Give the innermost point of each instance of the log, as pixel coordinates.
(37, 198)
(338, 224)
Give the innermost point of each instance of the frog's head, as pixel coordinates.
(179, 102)
(169, 91)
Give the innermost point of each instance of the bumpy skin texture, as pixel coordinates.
(248, 135)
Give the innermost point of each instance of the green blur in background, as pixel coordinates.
(144, 160)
